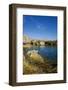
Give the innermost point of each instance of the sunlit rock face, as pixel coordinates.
(35, 56)
(42, 43)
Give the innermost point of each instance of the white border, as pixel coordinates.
(38, 77)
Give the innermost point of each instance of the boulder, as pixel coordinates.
(34, 56)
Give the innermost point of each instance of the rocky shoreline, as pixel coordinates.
(34, 63)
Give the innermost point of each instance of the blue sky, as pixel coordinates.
(40, 27)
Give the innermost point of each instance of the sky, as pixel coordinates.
(40, 27)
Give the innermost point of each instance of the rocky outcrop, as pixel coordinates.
(34, 64)
(34, 56)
